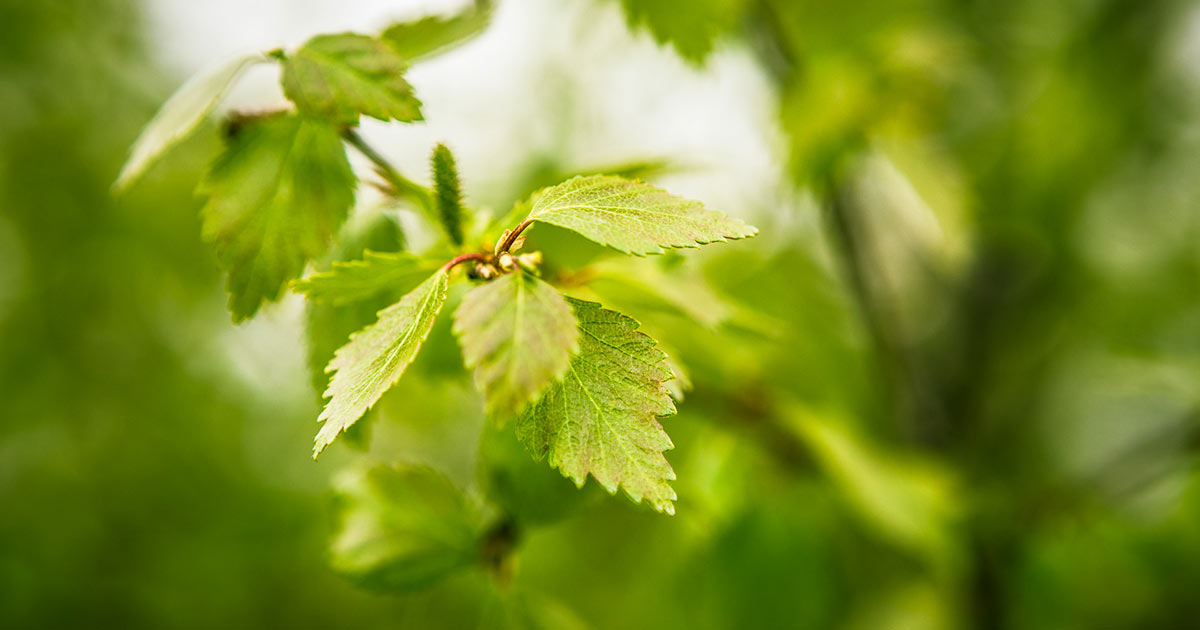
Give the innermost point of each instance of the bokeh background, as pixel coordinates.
(954, 383)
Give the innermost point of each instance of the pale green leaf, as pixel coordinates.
(356, 280)
(276, 197)
(602, 417)
(435, 35)
(377, 356)
(341, 76)
(402, 528)
(633, 217)
(518, 333)
(180, 116)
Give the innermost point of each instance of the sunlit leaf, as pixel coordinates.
(602, 418)
(377, 356)
(518, 333)
(632, 216)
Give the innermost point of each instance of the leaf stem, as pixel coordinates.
(403, 186)
(512, 236)
(462, 258)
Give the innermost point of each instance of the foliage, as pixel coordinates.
(586, 387)
(952, 384)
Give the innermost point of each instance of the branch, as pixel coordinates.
(404, 187)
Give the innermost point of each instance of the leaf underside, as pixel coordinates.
(344, 75)
(632, 216)
(602, 417)
(518, 333)
(276, 197)
(180, 116)
(377, 356)
(356, 280)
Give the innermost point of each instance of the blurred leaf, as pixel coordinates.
(523, 488)
(180, 116)
(341, 76)
(602, 417)
(910, 502)
(276, 197)
(434, 35)
(691, 26)
(356, 280)
(518, 333)
(377, 356)
(684, 293)
(633, 217)
(402, 528)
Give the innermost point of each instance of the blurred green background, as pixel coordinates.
(954, 383)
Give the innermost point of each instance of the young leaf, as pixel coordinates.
(357, 280)
(402, 528)
(180, 116)
(601, 418)
(377, 356)
(341, 76)
(434, 35)
(519, 334)
(276, 197)
(633, 217)
(327, 326)
(447, 193)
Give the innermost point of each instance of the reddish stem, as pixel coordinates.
(463, 258)
(512, 236)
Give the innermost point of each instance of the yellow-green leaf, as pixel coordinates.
(377, 356)
(602, 417)
(632, 216)
(519, 334)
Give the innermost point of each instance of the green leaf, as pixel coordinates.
(601, 418)
(341, 76)
(276, 197)
(356, 280)
(691, 26)
(633, 217)
(180, 116)
(435, 35)
(327, 326)
(519, 334)
(377, 356)
(402, 528)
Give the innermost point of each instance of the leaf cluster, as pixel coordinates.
(584, 386)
